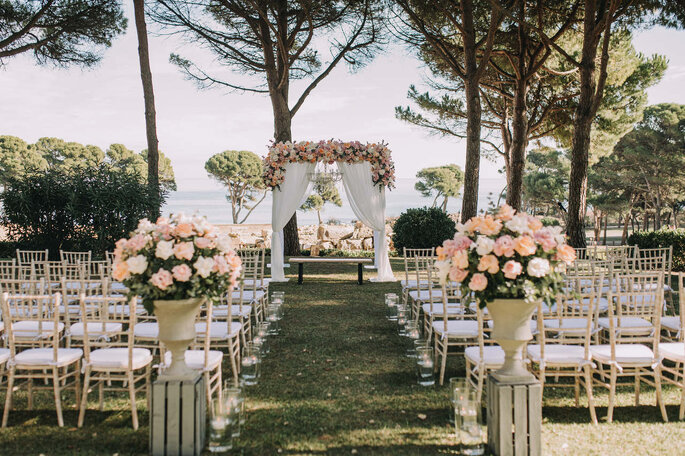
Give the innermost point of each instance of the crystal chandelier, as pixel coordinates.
(325, 175)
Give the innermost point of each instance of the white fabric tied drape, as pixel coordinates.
(286, 200)
(368, 203)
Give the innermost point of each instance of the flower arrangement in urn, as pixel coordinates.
(508, 255)
(176, 258)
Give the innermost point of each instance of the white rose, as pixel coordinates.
(145, 226)
(538, 267)
(558, 234)
(223, 243)
(204, 266)
(137, 264)
(443, 269)
(518, 223)
(202, 225)
(164, 249)
(484, 245)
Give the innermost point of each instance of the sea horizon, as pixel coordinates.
(207, 198)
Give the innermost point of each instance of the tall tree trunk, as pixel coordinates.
(626, 222)
(606, 224)
(150, 114)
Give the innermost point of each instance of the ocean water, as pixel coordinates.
(211, 202)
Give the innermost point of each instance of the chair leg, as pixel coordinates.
(637, 390)
(590, 398)
(148, 387)
(234, 368)
(542, 378)
(681, 415)
(577, 391)
(77, 383)
(208, 388)
(443, 363)
(8, 397)
(58, 396)
(101, 394)
(612, 394)
(481, 380)
(132, 397)
(659, 396)
(84, 397)
(29, 393)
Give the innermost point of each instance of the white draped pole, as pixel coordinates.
(368, 203)
(286, 200)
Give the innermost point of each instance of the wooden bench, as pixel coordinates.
(359, 261)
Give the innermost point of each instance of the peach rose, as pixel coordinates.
(566, 253)
(545, 238)
(221, 265)
(462, 242)
(120, 271)
(473, 224)
(184, 251)
(525, 245)
(457, 274)
(534, 224)
(184, 230)
(203, 243)
(478, 282)
(162, 279)
(506, 212)
(488, 263)
(136, 243)
(490, 226)
(440, 252)
(182, 272)
(504, 246)
(512, 269)
(461, 259)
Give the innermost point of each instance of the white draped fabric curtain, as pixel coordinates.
(368, 203)
(286, 200)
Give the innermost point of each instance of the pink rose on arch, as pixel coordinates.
(478, 282)
(203, 243)
(184, 251)
(462, 242)
(504, 246)
(182, 272)
(545, 238)
(162, 279)
(512, 269)
(457, 274)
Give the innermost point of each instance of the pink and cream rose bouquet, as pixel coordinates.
(507, 255)
(177, 258)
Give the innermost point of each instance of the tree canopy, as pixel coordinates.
(60, 32)
(240, 171)
(324, 192)
(440, 182)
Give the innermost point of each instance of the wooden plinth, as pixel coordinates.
(178, 418)
(514, 418)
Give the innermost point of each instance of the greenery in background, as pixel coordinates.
(240, 171)
(337, 382)
(440, 182)
(17, 159)
(421, 228)
(60, 32)
(663, 238)
(324, 192)
(545, 183)
(82, 209)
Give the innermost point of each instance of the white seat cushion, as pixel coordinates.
(456, 328)
(625, 354)
(96, 329)
(248, 295)
(675, 351)
(493, 356)
(45, 356)
(117, 310)
(532, 323)
(218, 329)
(74, 309)
(425, 295)
(628, 325)
(117, 358)
(671, 323)
(437, 309)
(32, 329)
(222, 311)
(260, 283)
(195, 359)
(559, 354)
(147, 330)
(4, 355)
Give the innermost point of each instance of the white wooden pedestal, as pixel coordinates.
(514, 418)
(178, 419)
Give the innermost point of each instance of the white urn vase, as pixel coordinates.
(511, 330)
(176, 320)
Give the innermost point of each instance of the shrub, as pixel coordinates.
(550, 221)
(83, 209)
(663, 238)
(421, 228)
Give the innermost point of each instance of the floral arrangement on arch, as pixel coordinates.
(177, 258)
(505, 256)
(282, 153)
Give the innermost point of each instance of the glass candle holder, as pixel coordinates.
(420, 343)
(458, 388)
(220, 428)
(425, 366)
(391, 312)
(272, 318)
(471, 432)
(391, 299)
(262, 332)
(412, 332)
(402, 318)
(234, 405)
(249, 365)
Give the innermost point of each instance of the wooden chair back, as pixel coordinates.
(410, 255)
(31, 321)
(99, 311)
(75, 257)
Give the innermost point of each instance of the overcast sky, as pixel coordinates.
(104, 105)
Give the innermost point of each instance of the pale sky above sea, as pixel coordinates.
(104, 105)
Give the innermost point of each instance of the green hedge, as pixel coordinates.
(422, 228)
(663, 238)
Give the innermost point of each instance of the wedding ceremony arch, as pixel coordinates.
(367, 169)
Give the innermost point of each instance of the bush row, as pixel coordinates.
(663, 238)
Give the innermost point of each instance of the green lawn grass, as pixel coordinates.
(337, 382)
